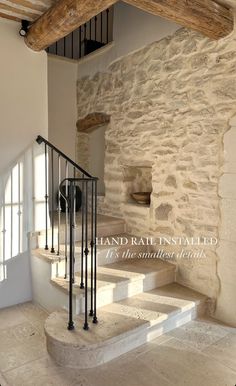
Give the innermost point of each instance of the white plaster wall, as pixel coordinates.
(97, 156)
(23, 93)
(226, 304)
(62, 112)
(24, 115)
(133, 29)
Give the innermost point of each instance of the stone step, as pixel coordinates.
(122, 326)
(107, 252)
(106, 226)
(121, 280)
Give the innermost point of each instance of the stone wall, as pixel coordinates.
(226, 305)
(170, 104)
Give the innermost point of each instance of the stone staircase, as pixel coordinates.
(137, 300)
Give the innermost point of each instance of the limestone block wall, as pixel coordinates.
(170, 104)
(226, 305)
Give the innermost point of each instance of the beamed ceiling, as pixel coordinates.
(32, 9)
(24, 9)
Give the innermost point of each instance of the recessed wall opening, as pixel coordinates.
(137, 179)
(91, 145)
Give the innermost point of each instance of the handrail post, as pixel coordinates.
(71, 269)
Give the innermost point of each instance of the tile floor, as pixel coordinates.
(201, 353)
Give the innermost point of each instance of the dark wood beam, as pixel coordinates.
(92, 121)
(205, 16)
(61, 19)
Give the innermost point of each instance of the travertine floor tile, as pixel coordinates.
(199, 333)
(224, 350)
(11, 317)
(125, 372)
(44, 372)
(3, 381)
(20, 354)
(185, 365)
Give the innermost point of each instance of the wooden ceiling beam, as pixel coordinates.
(61, 19)
(9, 17)
(16, 11)
(28, 4)
(205, 16)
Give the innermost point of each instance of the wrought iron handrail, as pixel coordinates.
(41, 139)
(68, 188)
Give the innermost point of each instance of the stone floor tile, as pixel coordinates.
(33, 312)
(181, 365)
(199, 333)
(20, 354)
(3, 381)
(45, 372)
(11, 317)
(224, 350)
(124, 372)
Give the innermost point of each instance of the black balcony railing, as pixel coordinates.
(89, 37)
(70, 189)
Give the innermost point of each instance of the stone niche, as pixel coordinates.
(136, 178)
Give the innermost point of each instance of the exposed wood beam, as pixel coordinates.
(61, 19)
(10, 17)
(205, 16)
(92, 121)
(14, 10)
(28, 4)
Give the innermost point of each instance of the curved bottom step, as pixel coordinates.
(122, 326)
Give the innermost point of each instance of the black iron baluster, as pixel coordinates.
(46, 196)
(56, 48)
(86, 251)
(90, 28)
(95, 320)
(52, 198)
(80, 42)
(66, 222)
(59, 205)
(64, 46)
(72, 45)
(92, 246)
(74, 225)
(107, 11)
(95, 28)
(101, 27)
(82, 236)
(71, 207)
(85, 40)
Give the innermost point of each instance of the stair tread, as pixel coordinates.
(102, 220)
(126, 316)
(117, 273)
(53, 257)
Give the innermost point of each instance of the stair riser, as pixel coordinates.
(73, 357)
(126, 290)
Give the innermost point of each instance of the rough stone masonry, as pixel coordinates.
(170, 104)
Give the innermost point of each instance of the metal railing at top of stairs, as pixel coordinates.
(70, 189)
